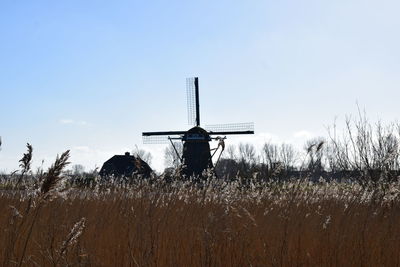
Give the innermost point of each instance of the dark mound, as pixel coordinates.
(125, 166)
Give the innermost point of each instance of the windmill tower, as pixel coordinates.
(196, 155)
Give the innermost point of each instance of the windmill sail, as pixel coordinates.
(161, 137)
(231, 128)
(193, 106)
(155, 139)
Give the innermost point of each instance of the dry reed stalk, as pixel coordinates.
(284, 224)
(49, 184)
(16, 220)
(25, 164)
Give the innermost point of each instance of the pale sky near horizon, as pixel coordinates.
(90, 76)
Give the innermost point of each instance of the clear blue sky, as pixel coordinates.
(91, 75)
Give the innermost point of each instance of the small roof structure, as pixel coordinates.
(125, 166)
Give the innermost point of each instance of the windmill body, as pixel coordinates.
(196, 152)
(196, 155)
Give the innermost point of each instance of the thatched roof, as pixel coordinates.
(125, 165)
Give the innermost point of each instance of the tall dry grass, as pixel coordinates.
(48, 222)
(218, 224)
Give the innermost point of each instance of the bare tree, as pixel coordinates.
(142, 154)
(78, 169)
(230, 152)
(247, 159)
(288, 156)
(283, 157)
(172, 157)
(338, 150)
(370, 152)
(270, 155)
(247, 154)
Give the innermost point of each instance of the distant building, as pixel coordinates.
(125, 166)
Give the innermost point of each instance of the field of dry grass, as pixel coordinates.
(218, 224)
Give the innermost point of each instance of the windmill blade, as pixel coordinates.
(231, 128)
(155, 139)
(192, 96)
(159, 139)
(164, 133)
(230, 132)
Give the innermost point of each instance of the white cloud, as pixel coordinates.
(67, 121)
(258, 139)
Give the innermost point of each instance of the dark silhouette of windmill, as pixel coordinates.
(196, 155)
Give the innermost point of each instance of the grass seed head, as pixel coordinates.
(53, 175)
(26, 159)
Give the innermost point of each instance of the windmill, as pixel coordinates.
(196, 155)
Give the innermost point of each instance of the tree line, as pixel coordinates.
(362, 151)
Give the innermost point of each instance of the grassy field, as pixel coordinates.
(48, 220)
(216, 224)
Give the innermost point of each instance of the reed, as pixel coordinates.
(50, 221)
(216, 224)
